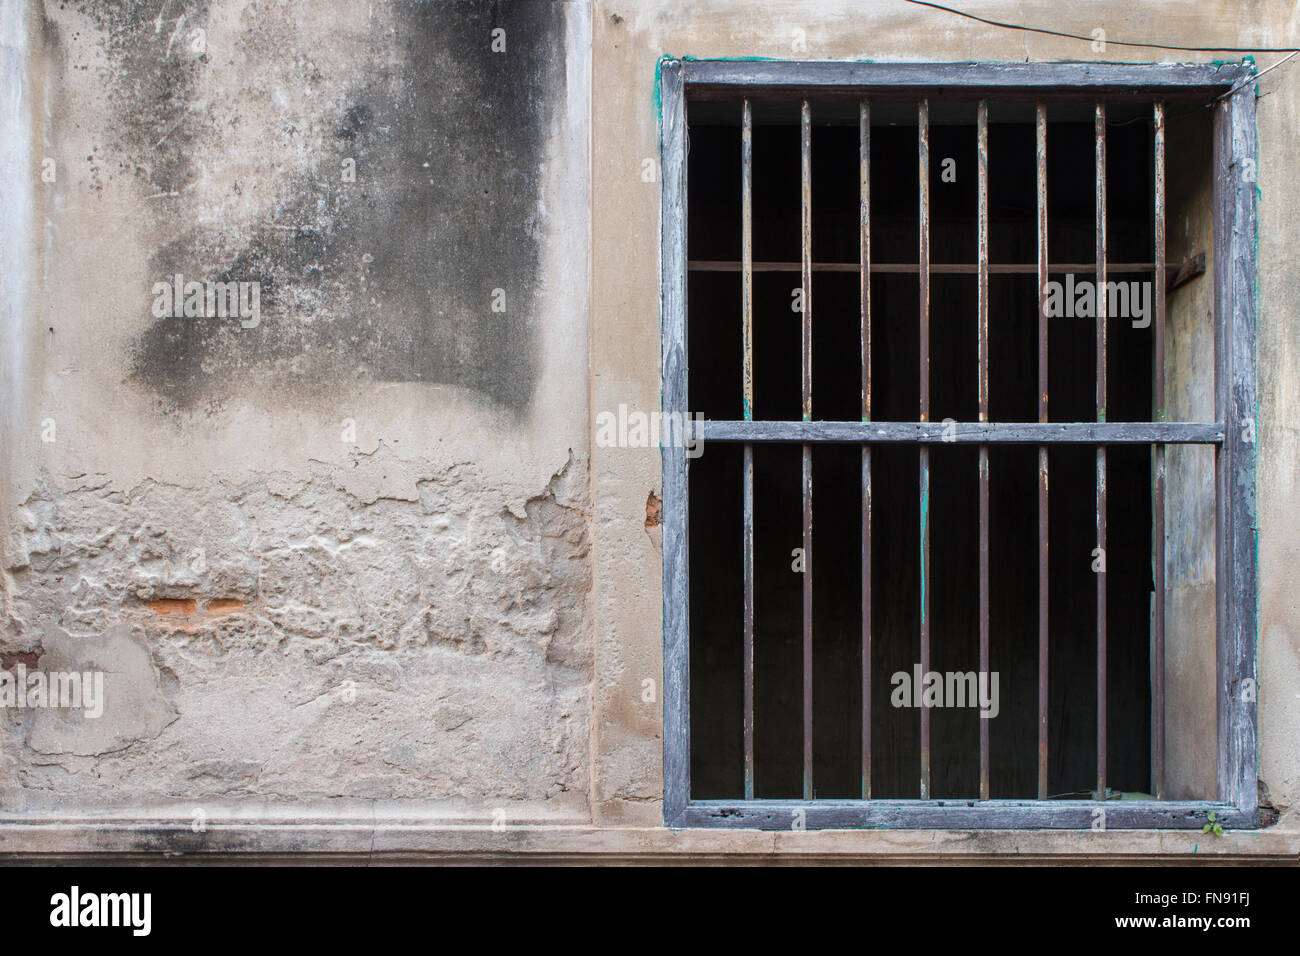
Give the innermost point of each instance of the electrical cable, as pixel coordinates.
(1090, 39)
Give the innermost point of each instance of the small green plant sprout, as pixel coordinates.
(1212, 825)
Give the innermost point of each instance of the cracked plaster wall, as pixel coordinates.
(341, 554)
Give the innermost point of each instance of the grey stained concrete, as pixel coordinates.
(342, 550)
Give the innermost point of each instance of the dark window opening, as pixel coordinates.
(714, 362)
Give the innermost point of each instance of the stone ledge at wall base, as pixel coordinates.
(336, 838)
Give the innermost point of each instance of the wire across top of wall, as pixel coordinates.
(1090, 39)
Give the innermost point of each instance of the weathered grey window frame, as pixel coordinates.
(1232, 434)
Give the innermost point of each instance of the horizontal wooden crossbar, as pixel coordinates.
(961, 814)
(1041, 80)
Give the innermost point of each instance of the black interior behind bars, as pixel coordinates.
(714, 342)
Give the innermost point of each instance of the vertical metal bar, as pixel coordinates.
(1101, 449)
(1041, 151)
(748, 545)
(982, 163)
(747, 382)
(805, 123)
(1158, 546)
(923, 175)
(864, 254)
(747, 255)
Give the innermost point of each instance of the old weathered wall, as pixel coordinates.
(1278, 349)
(628, 38)
(335, 547)
(361, 552)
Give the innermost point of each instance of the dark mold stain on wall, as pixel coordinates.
(390, 277)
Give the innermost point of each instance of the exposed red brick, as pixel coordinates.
(653, 511)
(28, 659)
(174, 606)
(225, 606)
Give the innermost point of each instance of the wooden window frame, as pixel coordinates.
(1232, 435)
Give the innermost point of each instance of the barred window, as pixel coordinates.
(971, 540)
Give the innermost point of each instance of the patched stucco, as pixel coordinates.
(349, 540)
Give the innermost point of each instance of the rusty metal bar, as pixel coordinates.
(1158, 545)
(806, 236)
(1041, 157)
(1100, 563)
(864, 255)
(748, 653)
(747, 256)
(923, 175)
(982, 164)
(747, 383)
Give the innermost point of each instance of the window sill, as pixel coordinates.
(963, 814)
(356, 839)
